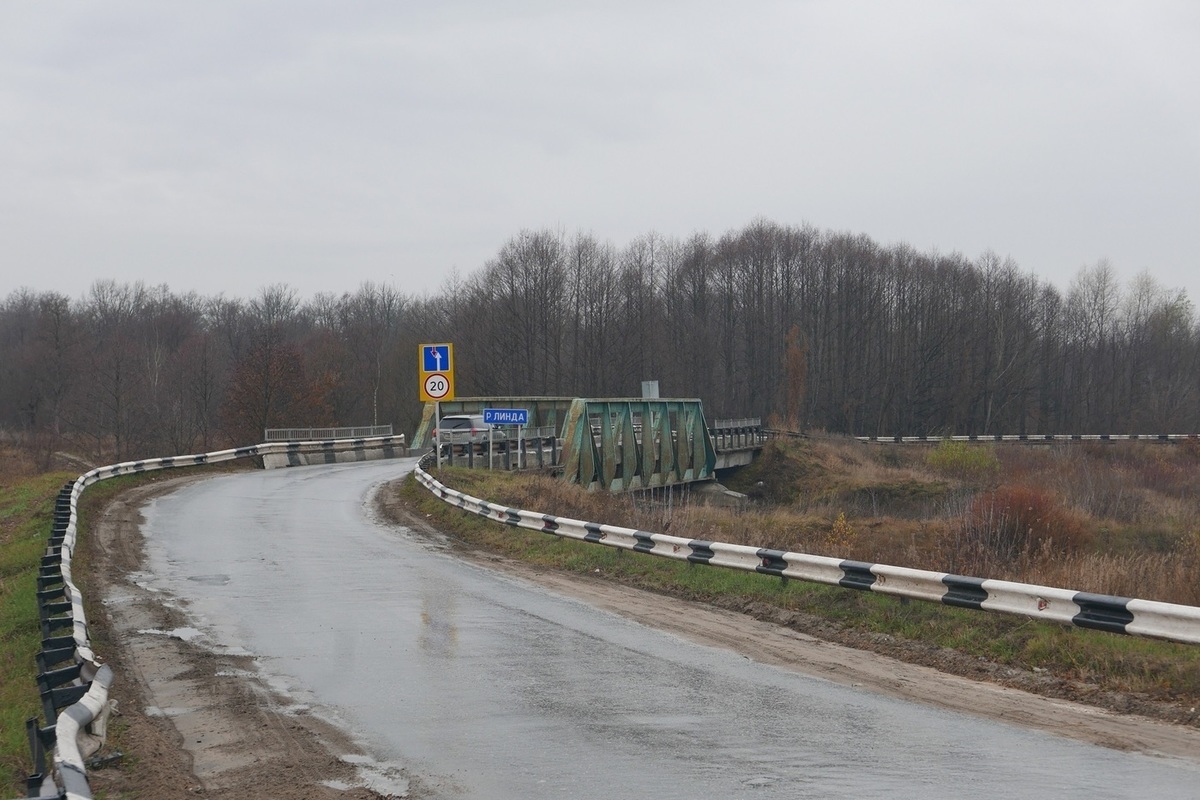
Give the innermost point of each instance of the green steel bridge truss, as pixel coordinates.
(617, 444)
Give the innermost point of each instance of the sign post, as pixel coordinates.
(435, 377)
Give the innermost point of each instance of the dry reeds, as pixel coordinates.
(1114, 519)
(15, 463)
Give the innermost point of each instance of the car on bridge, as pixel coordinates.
(457, 432)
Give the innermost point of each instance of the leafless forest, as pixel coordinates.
(811, 328)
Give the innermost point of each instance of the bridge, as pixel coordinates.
(617, 444)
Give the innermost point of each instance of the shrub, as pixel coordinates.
(974, 463)
(1014, 520)
(841, 536)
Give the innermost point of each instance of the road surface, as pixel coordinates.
(481, 685)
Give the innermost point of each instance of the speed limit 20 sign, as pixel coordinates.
(436, 374)
(437, 386)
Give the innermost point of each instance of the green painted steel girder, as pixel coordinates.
(634, 443)
(617, 444)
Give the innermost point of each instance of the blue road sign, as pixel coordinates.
(435, 358)
(506, 416)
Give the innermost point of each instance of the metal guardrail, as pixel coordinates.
(1148, 618)
(1033, 437)
(547, 412)
(72, 683)
(735, 424)
(318, 434)
(535, 448)
(738, 434)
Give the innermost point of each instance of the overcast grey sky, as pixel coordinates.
(224, 146)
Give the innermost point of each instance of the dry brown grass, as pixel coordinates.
(1009, 520)
(808, 498)
(1169, 577)
(1156, 563)
(15, 464)
(1119, 518)
(25, 455)
(1116, 518)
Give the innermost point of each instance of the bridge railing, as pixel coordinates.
(737, 434)
(533, 448)
(745, 422)
(319, 434)
(543, 412)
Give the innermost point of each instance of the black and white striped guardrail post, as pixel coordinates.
(1149, 618)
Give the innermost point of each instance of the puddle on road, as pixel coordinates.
(236, 673)
(383, 779)
(184, 634)
(210, 580)
(170, 711)
(143, 580)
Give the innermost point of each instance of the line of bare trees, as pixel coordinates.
(816, 328)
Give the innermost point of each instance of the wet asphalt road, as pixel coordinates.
(486, 687)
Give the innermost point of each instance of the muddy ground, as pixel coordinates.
(195, 721)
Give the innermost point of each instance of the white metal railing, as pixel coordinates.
(737, 434)
(535, 447)
(318, 434)
(749, 422)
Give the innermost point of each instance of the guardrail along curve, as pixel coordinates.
(1149, 618)
(72, 681)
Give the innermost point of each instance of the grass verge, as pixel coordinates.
(26, 513)
(1161, 679)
